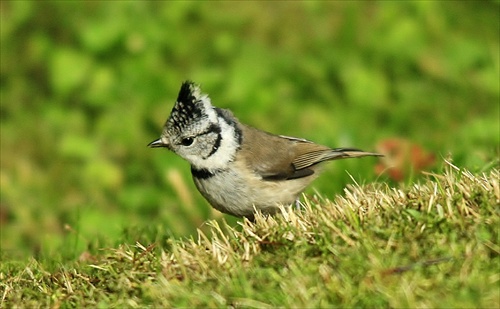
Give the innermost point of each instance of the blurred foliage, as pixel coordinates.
(86, 85)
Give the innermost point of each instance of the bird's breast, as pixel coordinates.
(236, 190)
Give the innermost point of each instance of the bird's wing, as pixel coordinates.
(281, 157)
(269, 156)
(273, 157)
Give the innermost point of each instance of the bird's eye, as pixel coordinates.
(187, 141)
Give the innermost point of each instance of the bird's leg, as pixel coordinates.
(298, 205)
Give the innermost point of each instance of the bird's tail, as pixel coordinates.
(344, 153)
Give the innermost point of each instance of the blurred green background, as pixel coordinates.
(85, 86)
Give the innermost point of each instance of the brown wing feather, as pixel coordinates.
(270, 156)
(281, 157)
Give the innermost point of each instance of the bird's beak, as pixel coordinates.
(157, 144)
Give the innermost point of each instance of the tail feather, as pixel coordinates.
(340, 153)
(308, 159)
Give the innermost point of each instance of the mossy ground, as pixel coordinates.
(432, 244)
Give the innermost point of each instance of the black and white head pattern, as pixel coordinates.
(199, 132)
(191, 111)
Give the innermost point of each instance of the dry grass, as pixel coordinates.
(433, 244)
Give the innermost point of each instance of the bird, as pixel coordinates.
(239, 169)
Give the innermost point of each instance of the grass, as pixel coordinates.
(429, 244)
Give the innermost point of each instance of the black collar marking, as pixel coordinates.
(202, 173)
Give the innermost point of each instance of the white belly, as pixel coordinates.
(229, 192)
